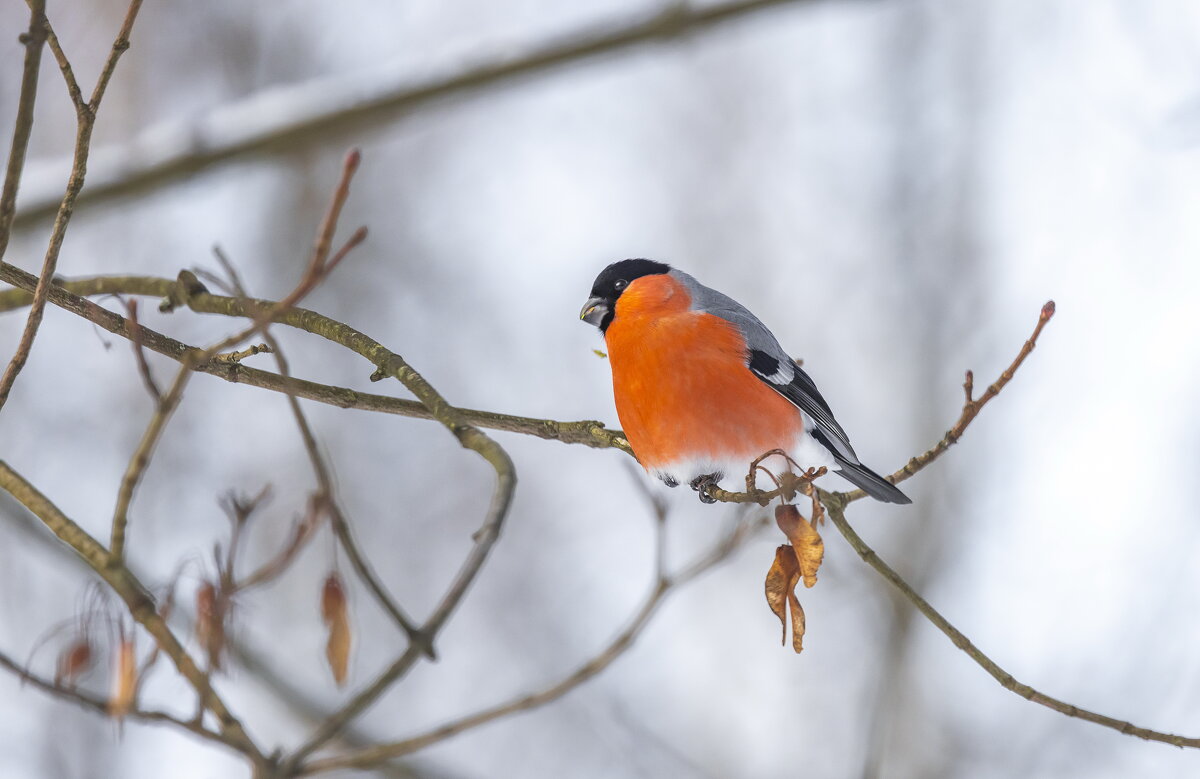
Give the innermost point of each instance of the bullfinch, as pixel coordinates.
(703, 388)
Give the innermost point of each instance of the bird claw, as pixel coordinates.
(702, 485)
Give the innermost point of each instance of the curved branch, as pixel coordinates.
(1006, 680)
(319, 109)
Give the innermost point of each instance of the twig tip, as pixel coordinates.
(1048, 310)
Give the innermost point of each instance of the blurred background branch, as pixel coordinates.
(328, 110)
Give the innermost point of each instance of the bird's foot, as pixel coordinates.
(702, 484)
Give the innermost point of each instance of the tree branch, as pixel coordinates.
(316, 271)
(662, 587)
(67, 295)
(347, 105)
(136, 598)
(35, 41)
(326, 492)
(100, 706)
(86, 122)
(870, 557)
(971, 408)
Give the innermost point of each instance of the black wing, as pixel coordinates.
(802, 392)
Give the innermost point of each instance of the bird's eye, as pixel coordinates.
(620, 284)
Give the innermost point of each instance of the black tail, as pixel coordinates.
(870, 482)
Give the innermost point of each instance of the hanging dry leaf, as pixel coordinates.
(781, 594)
(810, 549)
(210, 622)
(74, 662)
(336, 615)
(124, 683)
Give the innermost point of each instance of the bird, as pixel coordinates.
(703, 388)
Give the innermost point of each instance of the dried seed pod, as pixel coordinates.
(210, 622)
(781, 594)
(75, 661)
(336, 615)
(125, 680)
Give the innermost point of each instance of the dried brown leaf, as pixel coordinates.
(798, 625)
(336, 615)
(809, 548)
(210, 622)
(74, 662)
(781, 594)
(124, 682)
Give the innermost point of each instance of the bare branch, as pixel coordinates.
(136, 598)
(139, 354)
(68, 73)
(326, 496)
(86, 122)
(663, 585)
(100, 706)
(343, 106)
(971, 408)
(67, 296)
(1006, 680)
(34, 41)
(485, 537)
(118, 48)
(141, 459)
(313, 275)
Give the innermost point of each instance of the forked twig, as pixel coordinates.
(86, 122)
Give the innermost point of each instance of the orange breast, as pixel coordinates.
(681, 384)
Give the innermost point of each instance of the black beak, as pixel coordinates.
(594, 311)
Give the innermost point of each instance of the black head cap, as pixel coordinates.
(613, 280)
(609, 283)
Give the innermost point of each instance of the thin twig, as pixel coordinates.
(262, 669)
(234, 358)
(1006, 680)
(971, 408)
(35, 41)
(67, 295)
(140, 461)
(139, 354)
(485, 538)
(120, 45)
(662, 586)
(100, 706)
(68, 73)
(136, 598)
(313, 275)
(326, 496)
(86, 122)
